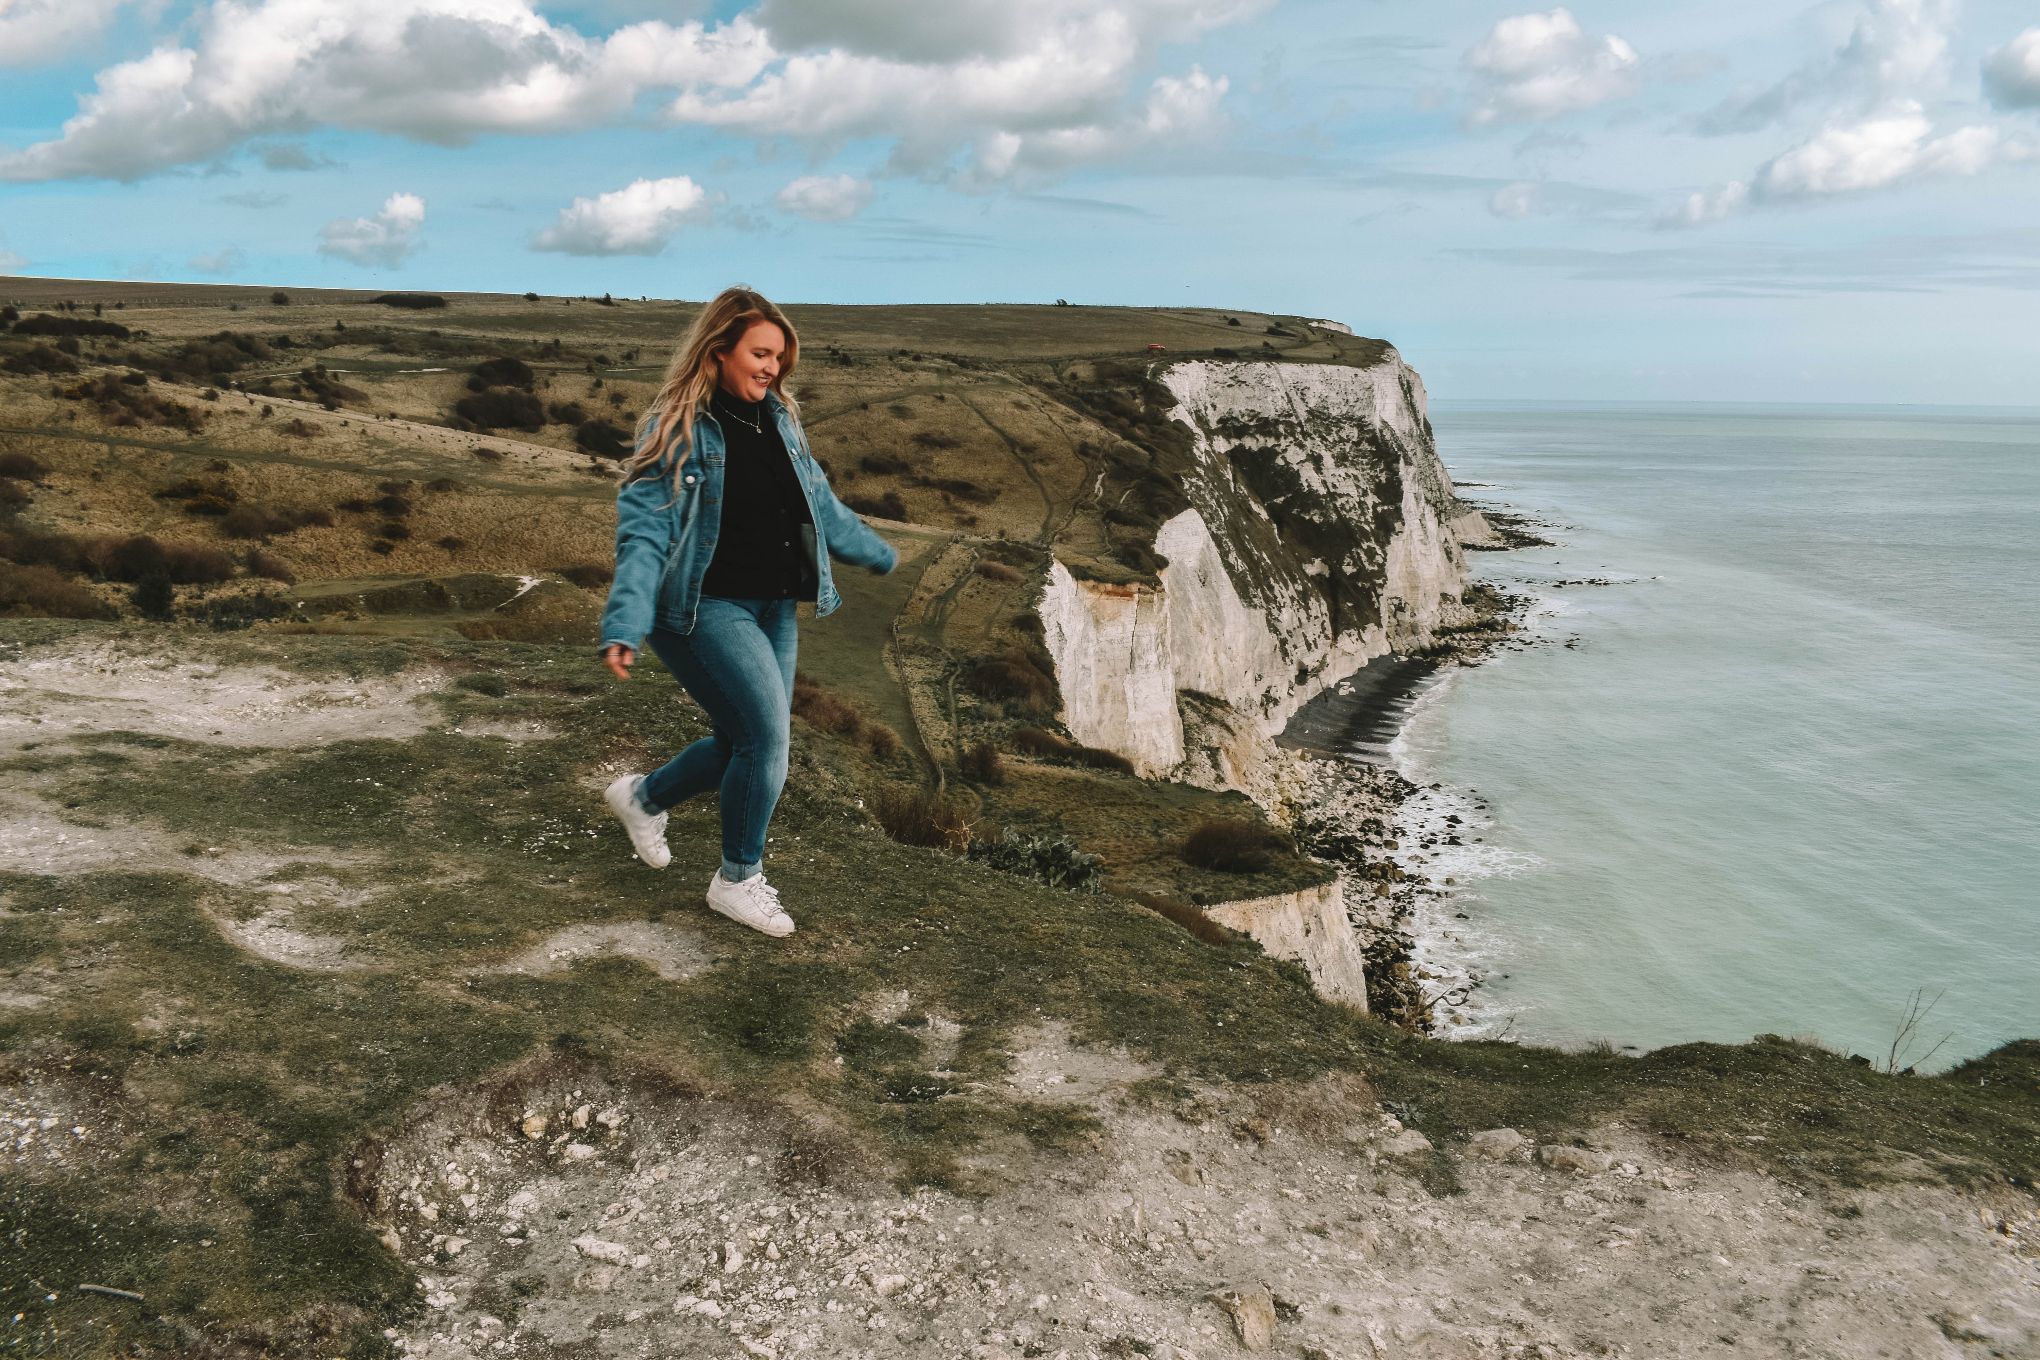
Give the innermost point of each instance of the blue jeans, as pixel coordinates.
(738, 665)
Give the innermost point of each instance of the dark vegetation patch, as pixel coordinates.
(1047, 745)
(1022, 678)
(125, 401)
(416, 302)
(1234, 847)
(887, 506)
(603, 439)
(830, 712)
(44, 324)
(501, 408)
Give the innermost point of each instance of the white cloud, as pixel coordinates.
(1708, 205)
(937, 80)
(1896, 49)
(218, 263)
(1177, 109)
(2011, 74)
(1878, 152)
(438, 70)
(1520, 199)
(385, 239)
(634, 220)
(11, 263)
(825, 198)
(1536, 66)
(33, 31)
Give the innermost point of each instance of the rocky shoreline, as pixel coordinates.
(1349, 807)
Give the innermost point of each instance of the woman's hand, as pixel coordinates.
(619, 659)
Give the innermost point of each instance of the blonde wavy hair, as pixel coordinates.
(692, 377)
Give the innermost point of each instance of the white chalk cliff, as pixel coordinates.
(1322, 531)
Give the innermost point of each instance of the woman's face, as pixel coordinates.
(747, 370)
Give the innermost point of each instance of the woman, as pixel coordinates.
(724, 522)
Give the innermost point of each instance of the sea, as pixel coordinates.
(1772, 763)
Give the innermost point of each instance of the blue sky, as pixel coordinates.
(1729, 202)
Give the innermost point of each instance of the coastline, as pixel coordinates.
(1354, 807)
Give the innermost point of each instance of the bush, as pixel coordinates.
(255, 520)
(14, 496)
(126, 401)
(45, 592)
(1046, 858)
(884, 463)
(998, 571)
(445, 484)
(587, 575)
(1017, 677)
(881, 740)
(888, 506)
(566, 413)
(961, 489)
(39, 359)
(913, 815)
(417, 302)
(504, 372)
(45, 324)
(269, 566)
(929, 439)
(502, 408)
(298, 429)
(154, 597)
(825, 709)
(1233, 847)
(603, 439)
(981, 763)
(392, 504)
(1040, 742)
(279, 298)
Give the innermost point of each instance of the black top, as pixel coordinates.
(758, 552)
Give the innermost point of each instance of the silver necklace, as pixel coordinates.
(757, 426)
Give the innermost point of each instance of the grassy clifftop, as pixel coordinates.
(270, 890)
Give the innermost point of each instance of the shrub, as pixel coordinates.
(998, 571)
(586, 575)
(981, 763)
(1016, 677)
(913, 815)
(44, 324)
(484, 682)
(45, 592)
(531, 297)
(393, 505)
(126, 401)
(450, 543)
(881, 740)
(502, 408)
(417, 302)
(1045, 858)
(930, 439)
(268, 565)
(884, 463)
(1233, 847)
(445, 484)
(31, 548)
(254, 520)
(39, 359)
(888, 506)
(132, 559)
(961, 489)
(154, 597)
(489, 455)
(825, 709)
(1039, 741)
(504, 372)
(566, 413)
(392, 529)
(279, 298)
(603, 439)
(298, 429)
(13, 496)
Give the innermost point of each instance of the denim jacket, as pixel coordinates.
(663, 550)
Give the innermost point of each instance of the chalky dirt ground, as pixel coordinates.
(560, 1209)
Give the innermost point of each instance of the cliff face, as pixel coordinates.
(1322, 531)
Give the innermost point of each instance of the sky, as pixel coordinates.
(1736, 201)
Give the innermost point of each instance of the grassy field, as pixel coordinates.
(287, 946)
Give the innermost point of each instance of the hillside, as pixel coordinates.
(335, 1017)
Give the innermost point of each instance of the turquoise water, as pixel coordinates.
(1790, 771)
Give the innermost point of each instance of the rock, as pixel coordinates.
(1316, 1353)
(732, 1258)
(577, 1152)
(534, 1126)
(1500, 1145)
(579, 1118)
(595, 1249)
(1408, 1143)
(596, 1279)
(885, 1286)
(388, 1237)
(1253, 1315)
(456, 1245)
(1579, 1161)
(610, 1118)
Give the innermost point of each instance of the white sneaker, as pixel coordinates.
(647, 833)
(754, 902)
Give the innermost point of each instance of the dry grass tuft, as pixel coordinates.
(1234, 847)
(913, 815)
